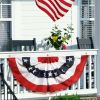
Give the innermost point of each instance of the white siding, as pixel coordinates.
(29, 21)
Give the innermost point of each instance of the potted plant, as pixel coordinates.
(59, 38)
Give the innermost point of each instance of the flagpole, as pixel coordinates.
(71, 26)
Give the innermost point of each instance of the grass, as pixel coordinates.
(66, 97)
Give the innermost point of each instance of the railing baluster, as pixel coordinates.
(18, 87)
(6, 95)
(84, 78)
(73, 87)
(95, 71)
(0, 90)
(2, 84)
(5, 77)
(0, 79)
(12, 84)
(90, 72)
(78, 84)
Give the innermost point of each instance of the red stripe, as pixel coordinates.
(65, 3)
(46, 4)
(44, 88)
(55, 7)
(73, 0)
(46, 11)
(63, 9)
(48, 59)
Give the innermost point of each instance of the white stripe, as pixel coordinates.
(59, 8)
(19, 61)
(42, 66)
(54, 9)
(64, 6)
(45, 7)
(34, 61)
(69, 1)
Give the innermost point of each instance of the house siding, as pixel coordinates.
(31, 22)
(97, 43)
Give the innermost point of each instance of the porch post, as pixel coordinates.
(97, 43)
(0, 80)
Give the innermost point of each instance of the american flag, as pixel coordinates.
(55, 9)
(47, 73)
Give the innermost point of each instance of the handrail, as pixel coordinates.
(82, 85)
(50, 53)
(5, 83)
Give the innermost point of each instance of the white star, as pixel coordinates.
(44, 74)
(63, 70)
(69, 59)
(30, 68)
(26, 60)
(34, 71)
(55, 73)
(50, 74)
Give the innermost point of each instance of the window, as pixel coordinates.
(6, 1)
(5, 9)
(5, 35)
(5, 25)
(87, 18)
(87, 28)
(87, 9)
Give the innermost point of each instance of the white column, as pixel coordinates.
(90, 72)
(0, 80)
(78, 18)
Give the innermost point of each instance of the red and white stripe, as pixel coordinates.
(55, 8)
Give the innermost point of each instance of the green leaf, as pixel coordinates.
(56, 27)
(65, 29)
(48, 43)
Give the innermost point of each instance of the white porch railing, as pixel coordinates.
(85, 85)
